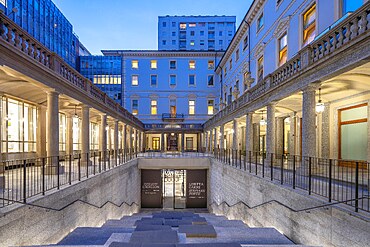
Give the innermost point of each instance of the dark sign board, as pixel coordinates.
(151, 189)
(196, 189)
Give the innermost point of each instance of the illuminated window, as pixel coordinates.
(172, 64)
(153, 64)
(210, 106)
(62, 132)
(134, 80)
(192, 42)
(192, 64)
(192, 24)
(191, 80)
(153, 107)
(183, 26)
(94, 136)
(309, 25)
(153, 80)
(211, 64)
(283, 49)
(260, 68)
(260, 22)
(210, 81)
(135, 106)
(172, 80)
(191, 107)
(135, 64)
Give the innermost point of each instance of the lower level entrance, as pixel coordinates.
(173, 189)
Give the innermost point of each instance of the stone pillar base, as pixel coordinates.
(53, 170)
(2, 182)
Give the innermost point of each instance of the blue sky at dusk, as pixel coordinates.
(128, 24)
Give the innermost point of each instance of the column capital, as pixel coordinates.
(52, 92)
(84, 107)
(312, 87)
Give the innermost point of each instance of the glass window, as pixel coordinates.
(245, 45)
(237, 55)
(172, 64)
(349, 6)
(153, 80)
(173, 42)
(211, 25)
(94, 136)
(76, 124)
(220, 42)
(153, 64)
(192, 64)
(202, 24)
(309, 25)
(210, 106)
(134, 80)
(231, 63)
(201, 33)
(183, 26)
(210, 81)
(191, 80)
(220, 33)
(191, 107)
(192, 42)
(192, 33)
(62, 132)
(201, 42)
(164, 24)
(173, 33)
(135, 106)
(283, 49)
(260, 68)
(135, 64)
(260, 22)
(164, 42)
(153, 107)
(173, 24)
(20, 126)
(192, 24)
(172, 80)
(211, 64)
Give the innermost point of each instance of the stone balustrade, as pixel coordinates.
(335, 39)
(14, 35)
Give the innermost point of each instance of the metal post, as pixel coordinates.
(263, 165)
(87, 165)
(240, 159)
(43, 176)
(256, 163)
(58, 172)
(24, 181)
(309, 176)
(94, 162)
(70, 170)
(293, 171)
(250, 161)
(282, 169)
(100, 161)
(356, 189)
(79, 167)
(330, 179)
(272, 167)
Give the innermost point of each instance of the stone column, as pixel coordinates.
(41, 132)
(69, 138)
(211, 141)
(270, 129)
(309, 122)
(215, 136)
(125, 139)
(115, 142)
(206, 139)
(136, 140)
(256, 137)
(53, 134)
(235, 135)
(131, 139)
(293, 136)
(222, 141)
(325, 132)
(182, 141)
(85, 134)
(249, 132)
(103, 134)
(162, 142)
(280, 135)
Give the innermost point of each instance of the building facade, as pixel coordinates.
(46, 23)
(279, 96)
(195, 32)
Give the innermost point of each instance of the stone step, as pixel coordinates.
(230, 223)
(151, 237)
(198, 231)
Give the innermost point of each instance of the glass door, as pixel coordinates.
(168, 189)
(180, 189)
(174, 189)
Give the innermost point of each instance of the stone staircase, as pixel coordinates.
(174, 229)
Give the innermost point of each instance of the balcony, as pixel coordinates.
(168, 117)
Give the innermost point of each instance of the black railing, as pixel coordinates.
(173, 117)
(336, 180)
(23, 179)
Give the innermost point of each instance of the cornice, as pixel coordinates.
(163, 53)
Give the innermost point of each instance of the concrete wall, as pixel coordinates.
(30, 225)
(330, 226)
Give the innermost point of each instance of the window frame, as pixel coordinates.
(155, 63)
(175, 64)
(195, 80)
(134, 62)
(156, 80)
(169, 81)
(132, 80)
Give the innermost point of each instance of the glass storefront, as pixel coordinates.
(76, 126)
(62, 132)
(94, 136)
(18, 126)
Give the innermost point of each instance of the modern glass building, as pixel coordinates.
(105, 72)
(45, 22)
(195, 32)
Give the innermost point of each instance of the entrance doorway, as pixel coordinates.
(172, 141)
(174, 189)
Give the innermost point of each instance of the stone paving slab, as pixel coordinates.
(198, 231)
(143, 227)
(162, 237)
(230, 223)
(177, 223)
(210, 245)
(117, 244)
(149, 221)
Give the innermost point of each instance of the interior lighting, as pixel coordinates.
(320, 107)
(263, 121)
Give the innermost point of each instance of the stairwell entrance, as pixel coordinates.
(173, 189)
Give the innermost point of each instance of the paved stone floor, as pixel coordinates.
(155, 229)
